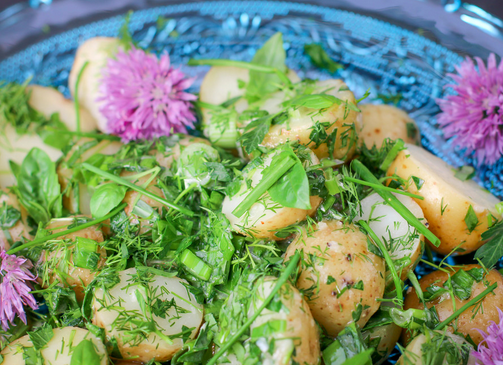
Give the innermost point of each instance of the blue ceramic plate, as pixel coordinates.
(411, 56)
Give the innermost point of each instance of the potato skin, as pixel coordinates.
(389, 336)
(444, 306)
(342, 255)
(446, 200)
(58, 350)
(386, 121)
(300, 327)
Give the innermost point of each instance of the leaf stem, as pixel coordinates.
(41, 240)
(281, 280)
(382, 187)
(99, 136)
(449, 319)
(396, 204)
(265, 183)
(76, 96)
(121, 181)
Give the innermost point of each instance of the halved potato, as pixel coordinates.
(338, 274)
(386, 121)
(60, 348)
(129, 304)
(447, 200)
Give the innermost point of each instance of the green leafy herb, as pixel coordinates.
(85, 254)
(9, 216)
(390, 157)
(462, 284)
(126, 40)
(390, 98)
(105, 198)
(85, 354)
(471, 219)
(465, 173)
(320, 58)
(38, 187)
(492, 250)
(411, 130)
(314, 101)
(418, 182)
(41, 337)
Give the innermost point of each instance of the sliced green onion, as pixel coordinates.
(282, 166)
(396, 204)
(85, 255)
(332, 182)
(76, 96)
(121, 181)
(225, 136)
(292, 265)
(41, 240)
(195, 265)
(383, 187)
(390, 157)
(99, 136)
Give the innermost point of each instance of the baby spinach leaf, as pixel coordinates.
(320, 58)
(38, 187)
(271, 54)
(105, 198)
(85, 354)
(492, 251)
(53, 134)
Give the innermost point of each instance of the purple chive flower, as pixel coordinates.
(474, 117)
(14, 291)
(490, 350)
(143, 97)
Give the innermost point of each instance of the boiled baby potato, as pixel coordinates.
(298, 341)
(404, 243)
(96, 51)
(447, 200)
(173, 151)
(47, 100)
(387, 335)
(265, 217)
(474, 317)
(15, 147)
(61, 255)
(130, 303)
(66, 347)
(386, 121)
(302, 120)
(77, 195)
(436, 347)
(338, 274)
(16, 228)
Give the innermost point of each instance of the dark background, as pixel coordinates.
(494, 7)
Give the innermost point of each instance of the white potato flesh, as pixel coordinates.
(75, 277)
(80, 203)
(265, 217)
(20, 229)
(403, 240)
(386, 121)
(446, 199)
(338, 273)
(15, 147)
(301, 122)
(58, 350)
(115, 307)
(96, 51)
(47, 100)
(413, 353)
(299, 341)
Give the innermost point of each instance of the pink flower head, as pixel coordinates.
(490, 350)
(474, 117)
(142, 96)
(14, 291)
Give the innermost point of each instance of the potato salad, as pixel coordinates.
(261, 218)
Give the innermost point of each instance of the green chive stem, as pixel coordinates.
(76, 96)
(449, 319)
(265, 183)
(41, 240)
(137, 188)
(99, 136)
(390, 157)
(396, 204)
(292, 265)
(383, 187)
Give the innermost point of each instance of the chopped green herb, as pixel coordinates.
(471, 219)
(465, 173)
(320, 58)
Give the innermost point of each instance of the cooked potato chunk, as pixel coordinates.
(124, 310)
(471, 319)
(338, 274)
(404, 243)
(386, 121)
(265, 217)
(66, 343)
(297, 339)
(457, 211)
